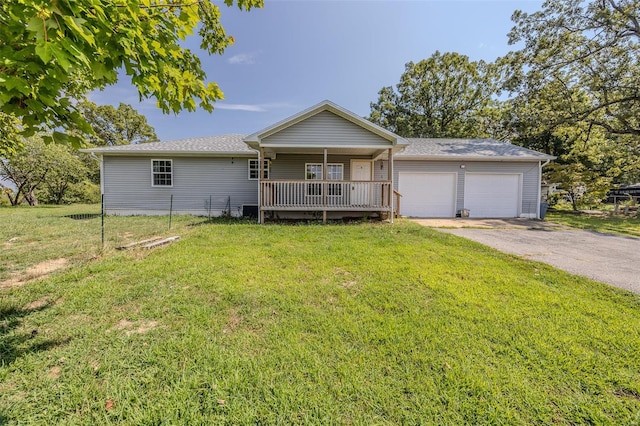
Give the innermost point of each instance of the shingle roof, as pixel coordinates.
(224, 144)
(469, 149)
(419, 148)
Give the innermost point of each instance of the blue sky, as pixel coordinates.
(293, 54)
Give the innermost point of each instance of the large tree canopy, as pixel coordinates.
(446, 95)
(591, 47)
(116, 126)
(41, 170)
(54, 52)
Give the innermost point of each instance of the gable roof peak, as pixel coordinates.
(325, 105)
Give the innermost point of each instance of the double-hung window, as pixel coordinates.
(161, 172)
(314, 172)
(254, 169)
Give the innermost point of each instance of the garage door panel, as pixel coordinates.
(492, 195)
(428, 194)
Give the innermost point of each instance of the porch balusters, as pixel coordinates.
(318, 195)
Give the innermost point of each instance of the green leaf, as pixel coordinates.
(36, 25)
(59, 137)
(43, 50)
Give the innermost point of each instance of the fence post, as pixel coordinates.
(170, 211)
(209, 206)
(102, 217)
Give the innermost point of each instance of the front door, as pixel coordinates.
(361, 172)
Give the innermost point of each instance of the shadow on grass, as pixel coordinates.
(83, 216)
(228, 220)
(15, 343)
(224, 220)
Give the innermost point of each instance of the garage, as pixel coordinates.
(428, 194)
(492, 194)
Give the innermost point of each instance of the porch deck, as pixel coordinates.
(326, 195)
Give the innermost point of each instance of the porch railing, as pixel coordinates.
(325, 195)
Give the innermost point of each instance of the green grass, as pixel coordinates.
(30, 235)
(349, 324)
(622, 225)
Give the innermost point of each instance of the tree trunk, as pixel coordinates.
(31, 198)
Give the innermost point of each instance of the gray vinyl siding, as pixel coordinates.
(325, 128)
(380, 168)
(292, 166)
(529, 171)
(196, 181)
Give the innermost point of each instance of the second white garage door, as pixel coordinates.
(492, 195)
(428, 194)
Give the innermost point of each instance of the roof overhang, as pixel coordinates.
(168, 153)
(502, 158)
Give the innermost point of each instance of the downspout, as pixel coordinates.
(540, 166)
(259, 182)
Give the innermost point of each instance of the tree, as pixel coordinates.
(53, 53)
(64, 171)
(446, 95)
(48, 170)
(591, 46)
(583, 187)
(27, 170)
(116, 126)
(9, 135)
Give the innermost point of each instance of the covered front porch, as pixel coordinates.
(325, 160)
(330, 181)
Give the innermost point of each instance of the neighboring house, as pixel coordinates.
(322, 162)
(624, 193)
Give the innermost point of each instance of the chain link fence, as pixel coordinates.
(38, 241)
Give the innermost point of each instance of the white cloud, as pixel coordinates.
(253, 107)
(242, 58)
(241, 107)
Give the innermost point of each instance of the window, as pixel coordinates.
(254, 169)
(314, 172)
(161, 173)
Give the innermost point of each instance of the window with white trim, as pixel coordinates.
(335, 171)
(161, 172)
(254, 169)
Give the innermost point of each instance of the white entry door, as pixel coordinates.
(428, 194)
(361, 192)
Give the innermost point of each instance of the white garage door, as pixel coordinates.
(427, 194)
(492, 195)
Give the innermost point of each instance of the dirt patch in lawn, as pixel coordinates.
(54, 372)
(135, 327)
(41, 303)
(37, 271)
(233, 321)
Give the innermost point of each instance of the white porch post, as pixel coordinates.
(260, 175)
(324, 186)
(390, 179)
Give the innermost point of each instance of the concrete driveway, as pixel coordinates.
(611, 259)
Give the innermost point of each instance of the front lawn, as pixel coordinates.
(606, 223)
(34, 240)
(281, 324)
